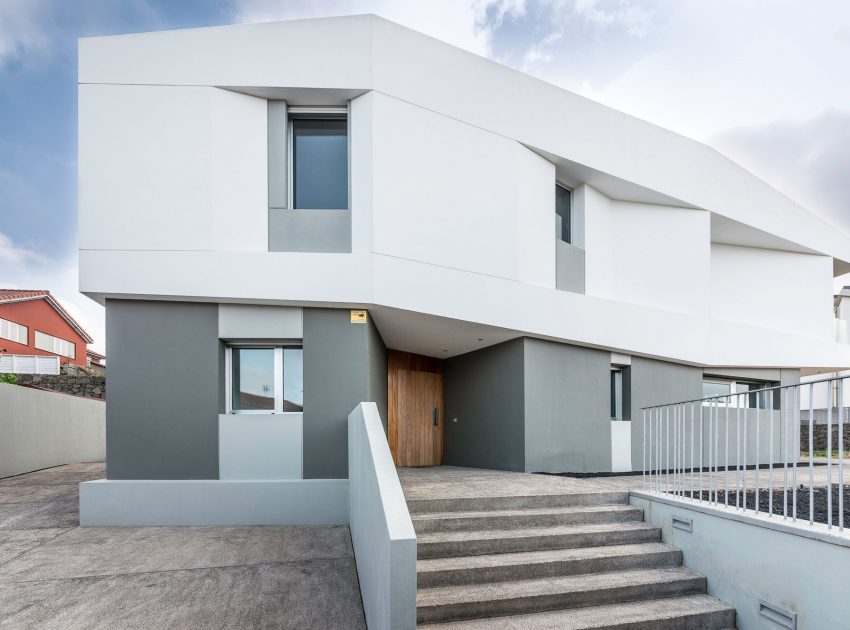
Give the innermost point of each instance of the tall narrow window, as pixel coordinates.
(265, 379)
(563, 212)
(319, 163)
(616, 394)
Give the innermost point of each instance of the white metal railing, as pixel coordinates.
(28, 364)
(743, 451)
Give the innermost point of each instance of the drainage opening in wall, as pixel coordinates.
(780, 616)
(684, 524)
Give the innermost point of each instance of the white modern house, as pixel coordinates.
(288, 219)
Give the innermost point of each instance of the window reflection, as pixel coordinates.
(253, 379)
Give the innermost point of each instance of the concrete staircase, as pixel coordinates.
(566, 561)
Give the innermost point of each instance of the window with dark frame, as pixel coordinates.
(319, 158)
(563, 212)
(616, 394)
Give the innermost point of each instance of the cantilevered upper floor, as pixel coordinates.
(354, 162)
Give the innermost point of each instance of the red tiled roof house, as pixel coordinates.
(35, 323)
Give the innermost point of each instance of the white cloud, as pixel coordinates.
(806, 159)
(23, 268)
(21, 29)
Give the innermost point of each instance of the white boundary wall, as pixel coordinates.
(144, 502)
(40, 429)
(748, 559)
(381, 529)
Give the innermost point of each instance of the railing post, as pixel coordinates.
(783, 414)
(726, 458)
(811, 454)
(829, 456)
(795, 449)
(667, 450)
(738, 454)
(701, 447)
(770, 463)
(692, 451)
(840, 457)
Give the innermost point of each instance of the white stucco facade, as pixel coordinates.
(688, 257)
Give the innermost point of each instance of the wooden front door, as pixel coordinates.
(420, 414)
(415, 423)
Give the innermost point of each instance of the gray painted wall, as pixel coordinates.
(484, 391)
(567, 408)
(378, 373)
(165, 389)
(309, 230)
(656, 382)
(344, 365)
(569, 269)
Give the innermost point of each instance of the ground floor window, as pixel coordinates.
(265, 379)
(736, 393)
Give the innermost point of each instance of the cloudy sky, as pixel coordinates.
(764, 81)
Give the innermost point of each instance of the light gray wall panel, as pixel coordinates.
(164, 390)
(484, 391)
(277, 154)
(339, 373)
(567, 408)
(569, 270)
(40, 429)
(251, 321)
(309, 230)
(658, 382)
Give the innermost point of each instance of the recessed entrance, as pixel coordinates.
(415, 422)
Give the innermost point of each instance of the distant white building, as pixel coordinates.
(286, 219)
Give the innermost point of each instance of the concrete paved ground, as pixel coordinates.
(54, 574)
(451, 481)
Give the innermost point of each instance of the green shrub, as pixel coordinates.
(9, 378)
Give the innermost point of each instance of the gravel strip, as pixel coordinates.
(820, 502)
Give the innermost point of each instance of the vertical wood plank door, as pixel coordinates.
(420, 443)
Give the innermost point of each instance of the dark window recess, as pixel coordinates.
(563, 210)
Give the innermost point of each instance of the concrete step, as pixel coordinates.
(475, 601)
(693, 612)
(525, 517)
(503, 567)
(483, 503)
(476, 543)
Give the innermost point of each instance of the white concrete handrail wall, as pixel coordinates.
(40, 429)
(776, 574)
(381, 528)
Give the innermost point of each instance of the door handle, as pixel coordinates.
(436, 417)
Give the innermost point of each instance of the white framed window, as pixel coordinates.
(264, 379)
(49, 343)
(317, 148)
(736, 393)
(13, 332)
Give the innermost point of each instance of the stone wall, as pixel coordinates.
(83, 385)
(820, 437)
